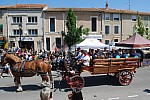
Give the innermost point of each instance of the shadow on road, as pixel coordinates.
(100, 80)
(59, 85)
(146, 90)
(89, 81)
(25, 88)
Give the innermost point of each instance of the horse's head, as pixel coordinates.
(9, 58)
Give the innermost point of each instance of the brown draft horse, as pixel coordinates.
(21, 68)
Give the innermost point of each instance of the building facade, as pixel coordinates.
(40, 27)
(55, 23)
(106, 25)
(2, 27)
(24, 26)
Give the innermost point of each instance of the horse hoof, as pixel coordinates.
(42, 85)
(19, 89)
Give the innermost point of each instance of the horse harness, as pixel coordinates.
(21, 67)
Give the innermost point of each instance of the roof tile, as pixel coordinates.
(28, 6)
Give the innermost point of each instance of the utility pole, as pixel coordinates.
(129, 4)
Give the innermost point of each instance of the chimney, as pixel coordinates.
(106, 6)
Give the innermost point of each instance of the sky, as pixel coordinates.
(136, 5)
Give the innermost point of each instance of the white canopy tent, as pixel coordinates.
(91, 43)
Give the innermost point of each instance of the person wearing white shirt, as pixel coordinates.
(85, 60)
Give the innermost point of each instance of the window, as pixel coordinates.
(133, 30)
(58, 43)
(147, 31)
(116, 29)
(32, 32)
(94, 24)
(107, 42)
(107, 17)
(1, 28)
(107, 29)
(116, 40)
(116, 17)
(17, 19)
(32, 19)
(52, 24)
(17, 32)
(0, 14)
(146, 20)
(134, 18)
(48, 44)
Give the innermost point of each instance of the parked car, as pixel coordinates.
(146, 53)
(112, 45)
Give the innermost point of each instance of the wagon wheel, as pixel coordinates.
(76, 83)
(125, 78)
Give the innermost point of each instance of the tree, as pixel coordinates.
(74, 34)
(139, 27)
(148, 37)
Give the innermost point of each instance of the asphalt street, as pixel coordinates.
(97, 87)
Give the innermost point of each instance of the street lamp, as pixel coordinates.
(20, 31)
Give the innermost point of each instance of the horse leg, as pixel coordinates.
(18, 84)
(51, 77)
(44, 80)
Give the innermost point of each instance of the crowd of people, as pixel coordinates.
(83, 57)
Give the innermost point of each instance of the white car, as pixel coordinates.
(112, 45)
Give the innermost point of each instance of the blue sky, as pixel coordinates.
(136, 5)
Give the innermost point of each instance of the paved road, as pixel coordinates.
(99, 87)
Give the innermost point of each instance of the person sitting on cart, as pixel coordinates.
(92, 57)
(79, 53)
(84, 61)
(135, 54)
(124, 54)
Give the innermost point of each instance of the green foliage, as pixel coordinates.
(74, 34)
(139, 27)
(148, 37)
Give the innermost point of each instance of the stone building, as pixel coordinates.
(23, 25)
(105, 24)
(41, 27)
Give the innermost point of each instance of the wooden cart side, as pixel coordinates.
(101, 66)
(104, 66)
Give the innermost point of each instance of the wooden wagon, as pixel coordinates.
(122, 68)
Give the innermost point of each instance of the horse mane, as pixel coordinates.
(13, 57)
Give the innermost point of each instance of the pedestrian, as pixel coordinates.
(46, 94)
(6, 69)
(75, 96)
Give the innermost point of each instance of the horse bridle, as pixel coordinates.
(16, 65)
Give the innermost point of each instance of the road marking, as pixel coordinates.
(132, 96)
(113, 98)
(148, 94)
